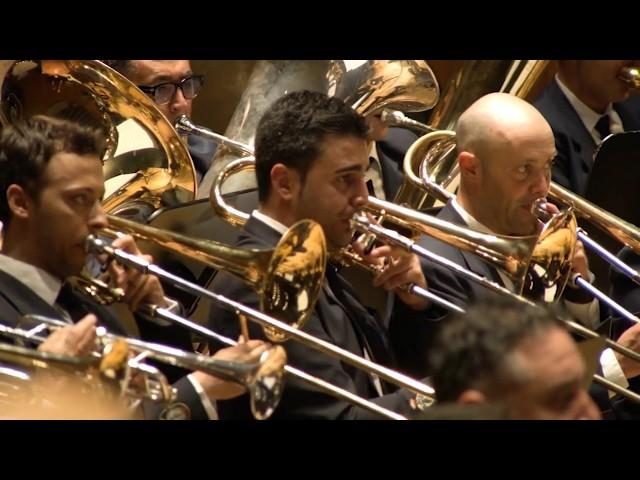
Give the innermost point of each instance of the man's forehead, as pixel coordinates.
(66, 166)
(161, 69)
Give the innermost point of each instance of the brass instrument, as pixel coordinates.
(426, 158)
(367, 85)
(538, 264)
(42, 385)
(393, 237)
(96, 245)
(630, 75)
(623, 231)
(117, 356)
(146, 164)
(243, 264)
(288, 278)
(89, 375)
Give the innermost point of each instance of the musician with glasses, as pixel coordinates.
(172, 85)
(584, 103)
(52, 183)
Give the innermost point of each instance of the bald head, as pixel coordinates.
(497, 120)
(505, 151)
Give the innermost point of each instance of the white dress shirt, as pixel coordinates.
(590, 117)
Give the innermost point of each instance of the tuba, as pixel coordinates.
(146, 164)
(367, 85)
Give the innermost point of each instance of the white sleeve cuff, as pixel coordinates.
(208, 405)
(173, 306)
(611, 369)
(588, 314)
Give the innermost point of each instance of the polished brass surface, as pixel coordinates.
(98, 246)
(623, 231)
(146, 165)
(511, 254)
(97, 289)
(288, 278)
(550, 264)
(116, 357)
(40, 384)
(630, 75)
(367, 85)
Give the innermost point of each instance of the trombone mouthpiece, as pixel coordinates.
(392, 117)
(631, 76)
(359, 222)
(539, 209)
(182, 125)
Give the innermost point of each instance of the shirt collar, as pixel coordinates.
(588, 116)
(469, 219)
(276, 225)
(42, 283)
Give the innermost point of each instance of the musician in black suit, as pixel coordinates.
(311, 157)
(505, 151)
(52, 183)
(585, 102)
(172, 85)
(502, 352)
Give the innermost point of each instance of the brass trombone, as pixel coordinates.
(93, 372)
(630, 75)
(288, 277)
(98, 246)
(621, 230)
(363, 224)
(243, 262)
(118, 356)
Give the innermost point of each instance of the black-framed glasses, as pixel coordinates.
(164, 92)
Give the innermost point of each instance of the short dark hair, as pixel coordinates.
(27, 147)
(472, 350)
(292, 130)
(124, 67)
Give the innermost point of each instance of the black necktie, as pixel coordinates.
(370, 331)
(603, 127)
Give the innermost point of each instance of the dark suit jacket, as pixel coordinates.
(627, 293)
(391, 153)
(417, 336)
(574, 143)
(16, 299)
(330, 322)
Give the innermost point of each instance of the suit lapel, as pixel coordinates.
(473, 262)
(23, 300)
(582, 141)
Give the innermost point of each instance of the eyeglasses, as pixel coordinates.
(164, 92)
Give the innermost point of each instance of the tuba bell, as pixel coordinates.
(146, 164)
(366, 85)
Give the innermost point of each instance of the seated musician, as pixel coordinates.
(52, 183)
(311, 157)
(505, 154)
(585, 102)
(520, 357)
